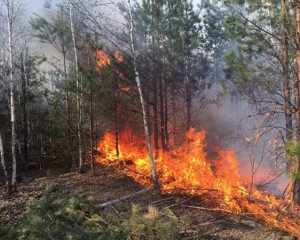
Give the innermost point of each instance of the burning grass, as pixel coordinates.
(189, 169)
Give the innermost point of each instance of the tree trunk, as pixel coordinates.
(41, 152)
(116, 117)
(188, 97)
(138, 82)
(11, 96)
(285, 73)
(174, 119)
(68, 101)
(3, 160)
(162, 115)
(155, 114)
(186, 68)
(92, 126)
(68, 108)
(79, 90)
(154, 85)
(166, 114)
(296, 168)
(25, 110)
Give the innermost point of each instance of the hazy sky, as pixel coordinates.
(34, 6)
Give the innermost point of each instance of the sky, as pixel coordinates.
(34, 6)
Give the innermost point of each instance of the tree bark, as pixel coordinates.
(68, 108)
(116, 117)
(285, 73)
(41, 152)
(10, 19)
(166, 114)
(92, 126)
(154, 80)
(160, 61)
(155, 114)
(79, 90)
(25, 110)
(186, 68)
(188, 96)
(174, 119)
(145, 119)
(2, 159)
(68, 101)
(162, 115)
(296, 168)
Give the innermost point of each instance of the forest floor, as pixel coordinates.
(108, 184)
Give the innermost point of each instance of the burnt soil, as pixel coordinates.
(109, 184)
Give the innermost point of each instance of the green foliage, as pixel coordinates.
(255, 27)
(75, 218)
(72, 218)
(293, 155)
(153, 225)
(53, 31)
(293, 150)
(7, 234)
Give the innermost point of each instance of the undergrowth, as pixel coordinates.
(75, 218)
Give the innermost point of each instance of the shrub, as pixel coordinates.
(153, 224)
(7, 233)
(75, 218)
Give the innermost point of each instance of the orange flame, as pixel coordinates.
(103, 59)
(125, 89)
(118, 57)
(190, 169)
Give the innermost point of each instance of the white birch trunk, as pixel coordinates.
(9, 7)
(3, 160)
(79, 89)
(138, 82)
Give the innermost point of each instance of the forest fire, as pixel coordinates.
(103, 59)
(195, 169)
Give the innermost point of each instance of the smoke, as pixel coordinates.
(233, 124)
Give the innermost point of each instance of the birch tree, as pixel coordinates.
(79, 88)
(138, 83)
(12, 11)
(2, 160)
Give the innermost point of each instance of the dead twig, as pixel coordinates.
(120, 199)
(178, 204)
(198, 235)
(134, 171)
(189, 231)
(160, 201)
(122, 165)
(195, 189)
(222, 210)
(210, 223)
(112, 207)
(271, 180)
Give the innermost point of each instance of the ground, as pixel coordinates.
(108, 184)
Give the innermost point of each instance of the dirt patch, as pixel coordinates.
(108, 184)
